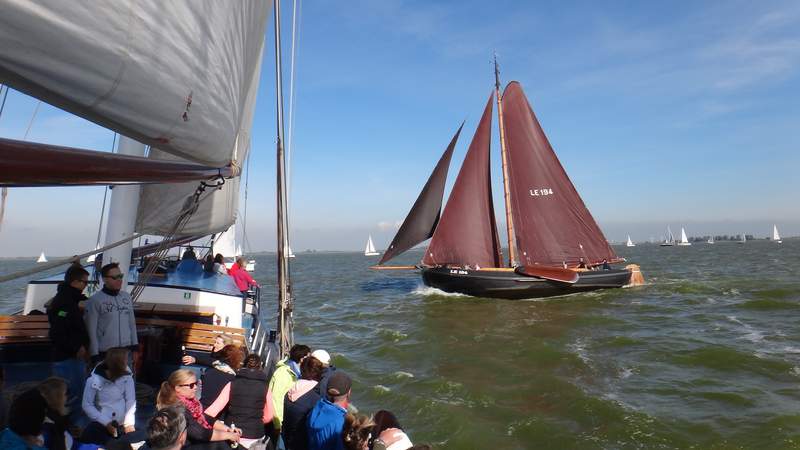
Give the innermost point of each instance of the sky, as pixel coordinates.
(680, 114)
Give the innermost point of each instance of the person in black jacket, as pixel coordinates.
(68, 334)
(301, 398)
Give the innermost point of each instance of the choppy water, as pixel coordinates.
(707, 355)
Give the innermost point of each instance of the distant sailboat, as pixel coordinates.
(743, 239)
(775, 236)
(41, 258)
(291, 253)
(711, 240)
(684, 241)
(370, 250)
(630, 242)
(670, 240)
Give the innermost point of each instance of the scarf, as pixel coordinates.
(196, 410)
(222, 367)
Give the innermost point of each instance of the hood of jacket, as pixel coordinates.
(301, 388)
(99, 372)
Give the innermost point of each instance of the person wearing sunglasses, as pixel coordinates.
(70, 340)
(109, 315)
(180, 390)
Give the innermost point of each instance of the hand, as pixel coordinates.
(112, 430)
(233, 437)
(187, 360)
(129, 429)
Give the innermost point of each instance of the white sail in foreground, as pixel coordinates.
(684, 240)
(370, 250)
(41, 258)
(775, 236)
(630, 242)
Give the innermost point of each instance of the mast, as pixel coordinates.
(284, 288)
(512, 252)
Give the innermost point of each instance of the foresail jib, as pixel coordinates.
(467, 232)
(424, 215)
(551, 222)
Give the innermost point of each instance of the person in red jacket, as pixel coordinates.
(240, 276)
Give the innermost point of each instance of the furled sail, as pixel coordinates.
(174, 75)
(467, 232)
(424, 215)
(551, 222)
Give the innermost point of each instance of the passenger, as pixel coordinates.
(357, 432)
(181, 389)
(389, 435)
(326, 420)
(221, 372)
(110, 310)
(219, 264)
(3, 409)
(189, 254)
(208, 265)
(605, 265)
(240, 276)
(247, 401)
(56, 423)
(328, 368)
(70, 340)
(283, 378)
(25, 420)
(207, 360)
(582, 264)
(166, 430)
(301, 398)
(109, 400)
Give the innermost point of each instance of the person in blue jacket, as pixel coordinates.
(326, 420)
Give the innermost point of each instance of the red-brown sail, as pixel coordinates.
(467, 232)
(424, 215)
(551, 222)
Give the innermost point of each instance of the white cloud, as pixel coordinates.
(388, 225)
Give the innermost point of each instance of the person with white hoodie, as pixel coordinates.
(109, 400)
(301, 398)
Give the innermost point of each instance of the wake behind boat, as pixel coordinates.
(554, 241)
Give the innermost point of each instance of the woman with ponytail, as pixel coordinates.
(180, 389)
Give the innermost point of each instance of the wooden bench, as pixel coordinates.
(19, 329)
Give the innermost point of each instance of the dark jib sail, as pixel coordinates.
(424, 215)
(467, 233)
(551, 222)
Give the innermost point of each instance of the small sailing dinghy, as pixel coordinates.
(42, 258)
(630, 242)
(684, 242)
(551, 233)
(370, 249)
(670, 240)
(775, 236)
(743, 239)
(711, 240)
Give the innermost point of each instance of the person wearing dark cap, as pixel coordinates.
(326, 420)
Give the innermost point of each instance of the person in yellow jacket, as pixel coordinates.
(287, 371)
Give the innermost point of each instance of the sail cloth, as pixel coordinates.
(171, 74)
(551, 222)
(424, 215)
(467, 233)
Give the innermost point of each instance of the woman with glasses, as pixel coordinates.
(180, 389)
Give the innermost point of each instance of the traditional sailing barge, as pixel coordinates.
(554, 242)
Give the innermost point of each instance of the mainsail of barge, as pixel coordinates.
(551, 232)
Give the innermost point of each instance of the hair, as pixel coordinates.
(383, 421)
(26, 415)
(167, 395)
(219, 258)
(232, 355)
(252, 361)
(209, 258)
(298, 352)
(356, 431)
(107, 268)
(227, 339)
(165, 428)
(116, 362)
(311, 369)
(75, 273)
(53, 390)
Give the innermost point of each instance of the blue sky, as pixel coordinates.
(680, 113)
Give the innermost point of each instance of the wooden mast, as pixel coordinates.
(512, 251)
(284, 286)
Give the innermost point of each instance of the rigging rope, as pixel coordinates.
(296, 16)
(4, 191)
(244, 218)
(105, 196)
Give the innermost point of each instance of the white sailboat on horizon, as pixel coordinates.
(370, 249)
(743, 239)
(670, 240)
(630, 242)
(711, 240)
(775, 236)
(42, 258)
(684, 240)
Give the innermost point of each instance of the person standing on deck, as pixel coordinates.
(284, 378)
(326, 421)
(68, 334)
(240, 276)
(110, 320)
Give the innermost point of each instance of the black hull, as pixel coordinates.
(510, 285)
